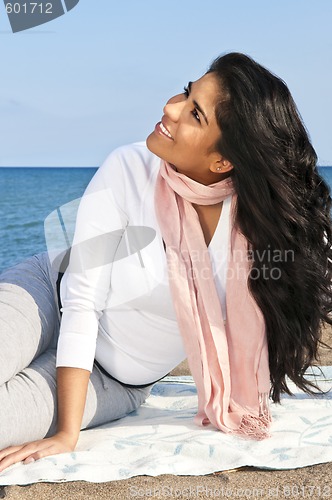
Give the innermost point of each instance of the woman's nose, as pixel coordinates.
(174, 106)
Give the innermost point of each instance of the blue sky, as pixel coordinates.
(73, 89)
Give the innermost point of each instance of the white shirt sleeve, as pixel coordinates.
(100, 223)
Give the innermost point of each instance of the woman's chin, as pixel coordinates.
(149, 141)
(153, 145)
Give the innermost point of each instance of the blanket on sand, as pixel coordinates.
(161, 438)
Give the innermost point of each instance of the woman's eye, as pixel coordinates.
(196, 115)
(194, 112)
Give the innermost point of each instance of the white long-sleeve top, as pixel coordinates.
(116, 300)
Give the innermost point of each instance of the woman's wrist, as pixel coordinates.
(70, 438)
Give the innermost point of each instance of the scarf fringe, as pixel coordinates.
(257, 427)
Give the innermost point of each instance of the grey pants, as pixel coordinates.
(29, 328)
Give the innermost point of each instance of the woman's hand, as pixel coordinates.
(29, 452)
(72, 386)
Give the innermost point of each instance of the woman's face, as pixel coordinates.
(188, 131)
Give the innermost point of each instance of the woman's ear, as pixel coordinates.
(221, 166)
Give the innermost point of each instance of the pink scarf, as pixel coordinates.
(229, 362)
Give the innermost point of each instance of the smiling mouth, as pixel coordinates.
(162, 129)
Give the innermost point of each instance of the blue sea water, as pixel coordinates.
(28, 195)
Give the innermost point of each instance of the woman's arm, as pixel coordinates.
(72, 386)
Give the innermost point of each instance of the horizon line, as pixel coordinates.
(48, 166)
(85, 166)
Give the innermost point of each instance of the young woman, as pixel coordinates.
(212, 241)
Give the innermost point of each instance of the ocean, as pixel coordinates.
(29, 195)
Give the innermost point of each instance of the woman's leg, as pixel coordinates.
(29, 315)
(29, 326)
(28, 401)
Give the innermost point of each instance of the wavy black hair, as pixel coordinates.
(283, 209)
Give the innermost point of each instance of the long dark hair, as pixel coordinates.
(283, 210)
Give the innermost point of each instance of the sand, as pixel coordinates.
(313, 482)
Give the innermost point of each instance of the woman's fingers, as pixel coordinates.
(7, 451)
(15, 454)
(31, 452)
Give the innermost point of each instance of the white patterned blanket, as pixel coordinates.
(161, 438)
